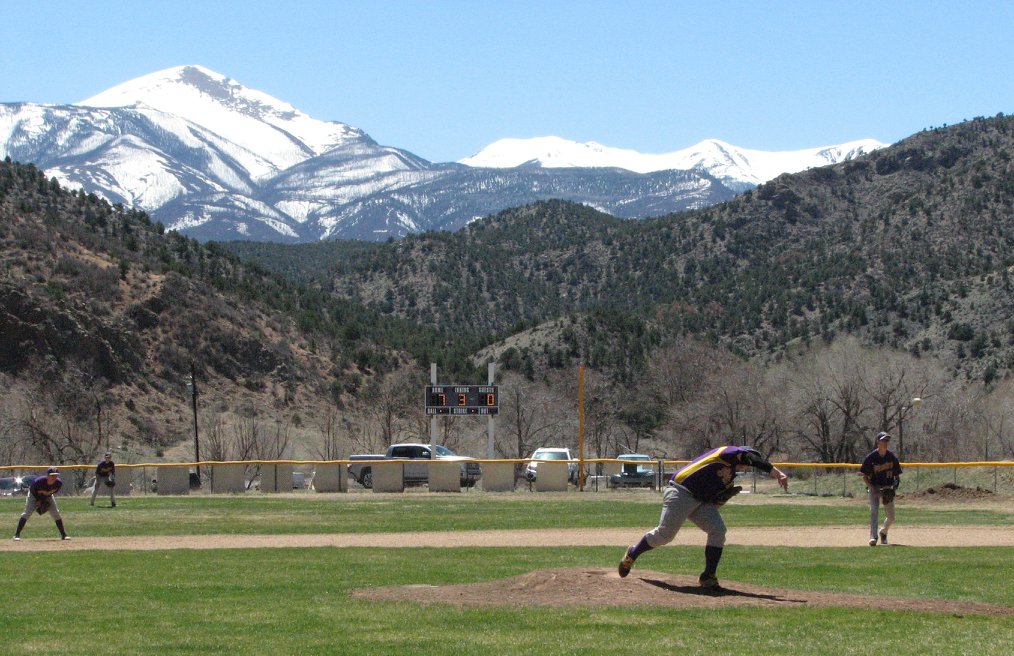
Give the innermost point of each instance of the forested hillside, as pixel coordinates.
(909, 247)
(800, 318)
(105, 317)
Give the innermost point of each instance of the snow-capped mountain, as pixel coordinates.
(216, 160)
(738, 167)
(270, 135)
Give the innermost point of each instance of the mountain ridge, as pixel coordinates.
(909, 247)
(218, 161)
(734, 166)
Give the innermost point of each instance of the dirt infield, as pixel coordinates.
(598, 587)
(810, 536)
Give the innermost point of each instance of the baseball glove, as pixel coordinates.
(110, 482)
(42, 506)
(887, 495)
(727, 494)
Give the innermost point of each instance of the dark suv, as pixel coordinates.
(638, 471)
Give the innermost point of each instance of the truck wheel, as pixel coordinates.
(366, 478)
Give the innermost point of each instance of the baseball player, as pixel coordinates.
(105, 477)
(881, 470)
(695, 492)
(40, 499)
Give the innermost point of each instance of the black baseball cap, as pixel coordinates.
(883, 437)
(52, 470)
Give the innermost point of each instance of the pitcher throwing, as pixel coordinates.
(695, 492)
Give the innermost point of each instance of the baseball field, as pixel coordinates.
(517, 573)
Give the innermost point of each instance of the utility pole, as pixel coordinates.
(193, 400)
(98, 420)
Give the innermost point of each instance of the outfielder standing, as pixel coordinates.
(40, 499)
(881, 471)
(695, 492)
(105, 477)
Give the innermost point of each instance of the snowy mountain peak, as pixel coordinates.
(729, 163)
(166, 90)
(253, 119)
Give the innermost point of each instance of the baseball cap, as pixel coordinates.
(883, 437)
(108, 453)
(52, 470)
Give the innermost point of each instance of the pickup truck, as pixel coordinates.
(416, 471)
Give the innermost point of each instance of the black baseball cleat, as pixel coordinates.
(625, 565)
(883, 537)
(708, 582)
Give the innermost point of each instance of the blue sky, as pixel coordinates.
(445, 78)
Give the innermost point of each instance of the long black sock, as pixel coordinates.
(711, 557)
(639, 548)
(21, 525)
(59, 525)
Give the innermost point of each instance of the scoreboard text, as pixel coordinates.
(462, 400)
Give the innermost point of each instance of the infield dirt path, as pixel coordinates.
(810, 536)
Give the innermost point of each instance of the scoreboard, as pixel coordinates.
(462, 400)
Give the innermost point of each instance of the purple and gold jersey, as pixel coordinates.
(41, 487)
(882, 469)
(712, 473)
(105, 468)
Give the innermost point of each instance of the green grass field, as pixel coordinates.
(296, 601)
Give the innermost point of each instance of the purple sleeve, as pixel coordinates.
(742, 456)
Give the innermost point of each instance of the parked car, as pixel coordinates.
(10, 486)
(551, 453)
(634, 474)
(26, 482)
(416, 472)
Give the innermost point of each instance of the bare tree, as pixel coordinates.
(56, 436)
(1000, 419)
(892, 381)
(529, 419)
(600, 424)
(334, 430)
(743, 411)
(217, 445)
(688, 376)
(830, 403)
(390, 402)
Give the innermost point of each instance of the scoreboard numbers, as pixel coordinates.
(462, 400)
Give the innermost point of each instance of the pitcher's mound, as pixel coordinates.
(603, 587)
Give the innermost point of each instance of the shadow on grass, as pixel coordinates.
(718, 592)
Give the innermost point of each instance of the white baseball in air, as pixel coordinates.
(916, 402)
